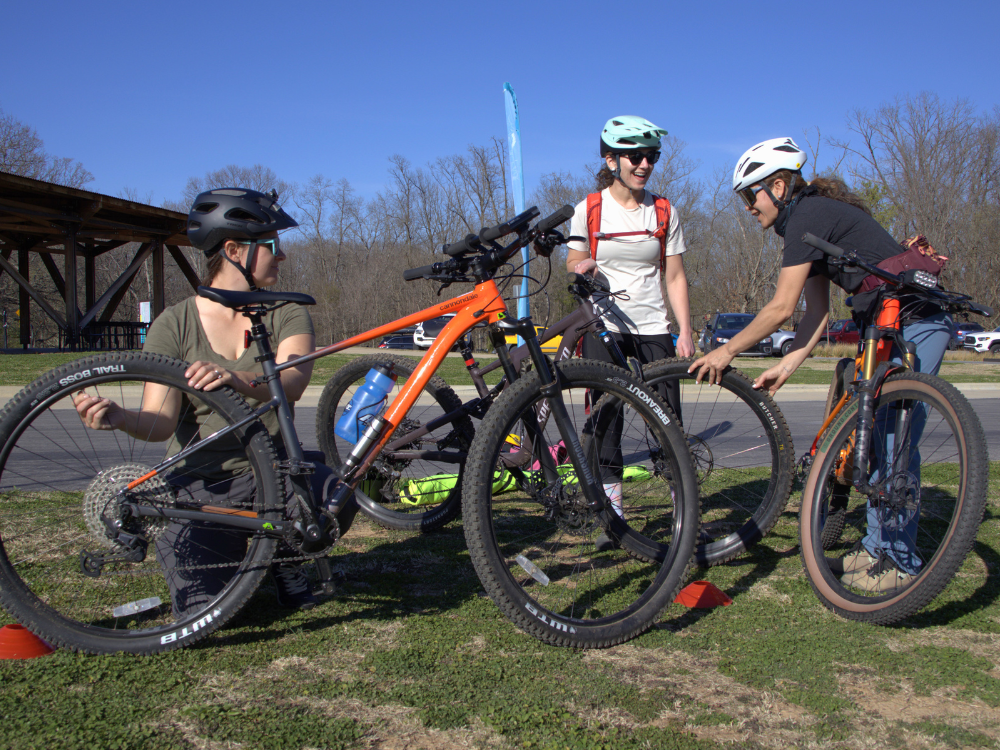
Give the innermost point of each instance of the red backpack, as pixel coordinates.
(594, 232)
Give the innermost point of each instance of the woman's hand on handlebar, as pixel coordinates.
(98, 413)
(588, 265)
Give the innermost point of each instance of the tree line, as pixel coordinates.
(923, 165)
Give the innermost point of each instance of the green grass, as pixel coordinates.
(410, 654)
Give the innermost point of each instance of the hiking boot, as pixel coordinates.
(292, 586)
(881, 577)
(857, 561)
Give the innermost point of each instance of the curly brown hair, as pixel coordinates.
(828, 187)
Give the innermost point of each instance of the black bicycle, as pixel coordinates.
(92, 522)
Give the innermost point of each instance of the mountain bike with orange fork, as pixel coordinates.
(897, 474)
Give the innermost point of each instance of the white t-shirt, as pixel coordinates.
(632, 263)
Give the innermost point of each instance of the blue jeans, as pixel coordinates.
(893, 533)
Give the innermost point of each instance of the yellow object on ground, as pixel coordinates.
(436, 489)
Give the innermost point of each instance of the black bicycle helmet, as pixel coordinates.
(233, 213)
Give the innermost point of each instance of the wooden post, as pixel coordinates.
(90, 276)
(158, 291)
(72, 312)
(23, 300)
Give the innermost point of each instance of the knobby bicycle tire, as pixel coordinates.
(743, 452)
(557, 570)
(390, 483)
(58, 478)
(928, 514)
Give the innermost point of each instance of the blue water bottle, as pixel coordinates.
(366, 403)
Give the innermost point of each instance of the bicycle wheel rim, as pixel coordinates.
(409, 494)
(57, 480)
(915, 537)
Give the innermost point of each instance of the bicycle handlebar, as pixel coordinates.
(908, 279)
(592, 283)
(470, 244)
(554, 219)
(418, 273)
(827, 247)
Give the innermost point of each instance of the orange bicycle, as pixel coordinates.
(897, 477)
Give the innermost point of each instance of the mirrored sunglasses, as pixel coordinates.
(272, 244)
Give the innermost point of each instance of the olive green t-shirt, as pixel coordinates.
(177, 332)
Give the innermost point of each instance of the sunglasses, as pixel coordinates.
(273, 245)
(749, 194)
(635, 157)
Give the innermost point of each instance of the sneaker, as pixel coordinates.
(881, 577)
(292, 586)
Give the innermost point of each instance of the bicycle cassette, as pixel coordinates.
(106, 493)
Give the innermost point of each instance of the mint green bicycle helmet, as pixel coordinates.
(628, 133)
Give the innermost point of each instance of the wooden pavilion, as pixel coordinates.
(55, 220)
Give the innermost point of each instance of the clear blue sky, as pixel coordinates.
(147, 95)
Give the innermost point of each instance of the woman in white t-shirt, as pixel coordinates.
(632, 239)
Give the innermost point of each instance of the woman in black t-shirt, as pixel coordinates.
(768, 178)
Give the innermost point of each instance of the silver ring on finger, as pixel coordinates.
(218, 375)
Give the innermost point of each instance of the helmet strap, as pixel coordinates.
(245, 269)
(789, 192)
(617, 174)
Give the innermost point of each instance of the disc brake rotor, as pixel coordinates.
(105, 495)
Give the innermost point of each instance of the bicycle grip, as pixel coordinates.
(488, 234)
(469, 244)
(553, 220)
(827, 247)
(417, 273)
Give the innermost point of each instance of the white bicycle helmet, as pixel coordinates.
(627, 133)
(766, 158)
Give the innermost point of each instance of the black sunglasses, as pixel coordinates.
(749, 194)
(635, 157)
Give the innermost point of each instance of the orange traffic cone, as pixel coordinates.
(17, 642)
(702, 594)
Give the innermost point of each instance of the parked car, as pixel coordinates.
(723, 326)
(397, 342)
(427, 331)
(984, 342)
(549, 347)
(781, 342)
(841, 332)
(963, 329)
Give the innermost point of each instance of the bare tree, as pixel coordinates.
(22, 153)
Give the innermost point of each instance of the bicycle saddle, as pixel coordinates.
(236, 300)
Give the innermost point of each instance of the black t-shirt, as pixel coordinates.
(842, 224)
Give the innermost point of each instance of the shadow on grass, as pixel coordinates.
(427, 574)
(757, 563)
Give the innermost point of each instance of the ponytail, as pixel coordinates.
(827, 187)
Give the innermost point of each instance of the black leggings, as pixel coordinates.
(193, 544)
(646, 349)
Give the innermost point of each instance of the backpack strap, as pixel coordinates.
(593, 222)
(594, 233)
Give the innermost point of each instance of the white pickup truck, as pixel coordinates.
(987, 341)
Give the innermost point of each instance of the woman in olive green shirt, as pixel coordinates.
(211, 337)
